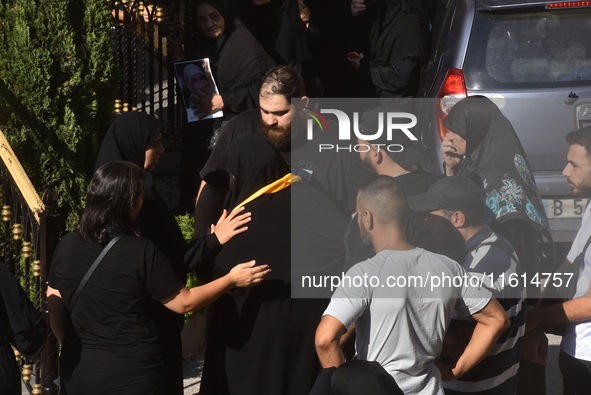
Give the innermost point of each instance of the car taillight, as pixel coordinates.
(569, 4)
(452, 91)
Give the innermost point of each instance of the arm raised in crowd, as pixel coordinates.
(491, 322)
(242, 275)
(575, 310)
(185, 300)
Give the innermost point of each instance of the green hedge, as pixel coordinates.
(57, 85)
(186, 223)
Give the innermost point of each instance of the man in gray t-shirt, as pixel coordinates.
(402, 300)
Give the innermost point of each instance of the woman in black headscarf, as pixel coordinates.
(278, 27)
(237, 59)
(237, 62)
(136, 137)
(261, 341)
(398, 46)
(482, 145)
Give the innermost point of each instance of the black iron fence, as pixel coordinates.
(147, 38)
(29, 234)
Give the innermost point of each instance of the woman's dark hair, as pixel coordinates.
(113, 192)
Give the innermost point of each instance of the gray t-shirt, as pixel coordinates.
(402, 309)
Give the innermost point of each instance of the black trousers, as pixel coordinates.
(576, 375)
(354, 378)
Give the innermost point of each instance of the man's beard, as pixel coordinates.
(367, 170)
(583, 190)
(365, 236)
(279, 136)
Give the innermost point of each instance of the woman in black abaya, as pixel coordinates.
(135, 137)
(237, 62)
(261, 340)
(482, 145)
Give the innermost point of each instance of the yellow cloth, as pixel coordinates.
(273, 187)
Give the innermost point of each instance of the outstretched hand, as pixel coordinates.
(208, 104)
(230, 225)
(246, 274)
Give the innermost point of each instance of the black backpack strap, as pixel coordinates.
(91, 270)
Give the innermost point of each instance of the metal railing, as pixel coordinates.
(144, 35)
(28, 236)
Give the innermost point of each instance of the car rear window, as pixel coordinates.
(532, 48)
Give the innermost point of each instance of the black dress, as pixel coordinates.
(111, 329)
(127, 140)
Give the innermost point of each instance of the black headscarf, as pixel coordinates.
(398, 30)
(496, 160)
(278, 27)
(127, 139)
(254, 163)
(237, 59)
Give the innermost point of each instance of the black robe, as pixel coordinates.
(398, 47)
(278, 27)
(261, 339)
(237, 63)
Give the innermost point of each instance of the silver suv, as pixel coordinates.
(534, 61)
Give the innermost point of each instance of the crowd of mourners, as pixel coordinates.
(270, 210)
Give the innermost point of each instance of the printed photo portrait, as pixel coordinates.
(196, 83)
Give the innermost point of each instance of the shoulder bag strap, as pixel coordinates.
(582, 254)
(90, 271)
(579, 260)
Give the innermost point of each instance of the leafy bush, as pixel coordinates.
(57, 85)
(186, 223)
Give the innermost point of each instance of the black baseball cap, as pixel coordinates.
(410, 154)
(454, 193)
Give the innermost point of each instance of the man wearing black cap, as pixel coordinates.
(401, 321)
(456, 222)
(398, 158)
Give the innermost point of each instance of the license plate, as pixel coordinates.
(565, 208)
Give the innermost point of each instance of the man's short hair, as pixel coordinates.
(384, 197)
(581, 137)
(283, 81)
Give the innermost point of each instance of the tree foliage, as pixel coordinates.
(57, 84)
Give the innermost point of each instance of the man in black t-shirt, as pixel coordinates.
(281, 122)
(398, 158)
